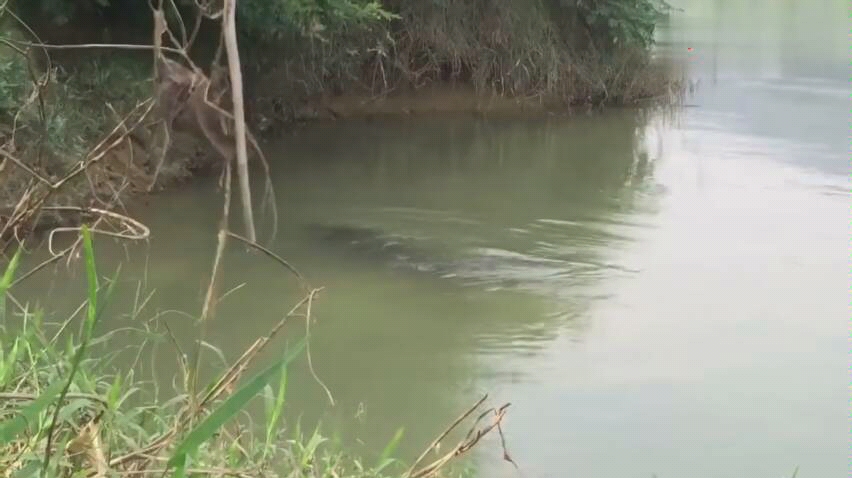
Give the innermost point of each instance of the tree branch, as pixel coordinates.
(230, 31)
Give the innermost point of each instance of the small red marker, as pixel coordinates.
(689, 49)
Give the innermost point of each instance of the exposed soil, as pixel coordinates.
(442, 99)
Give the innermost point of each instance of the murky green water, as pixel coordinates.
(654, 294)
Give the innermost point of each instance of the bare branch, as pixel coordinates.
(87, 46)
(230, 30)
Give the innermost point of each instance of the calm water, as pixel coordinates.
(655, 294)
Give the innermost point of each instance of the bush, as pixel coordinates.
(575, 50)
(578, 52)
(14, 84)
(53, 128)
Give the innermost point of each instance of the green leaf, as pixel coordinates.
(9, 274)
(114, 393)
(309, 450)
(273, 412)
(6, 282)
(229, 408)
(68, 410)
(180, 466)
(10, 430)
(385, 459)
(28, 471)
(91, 278)
(7, 365)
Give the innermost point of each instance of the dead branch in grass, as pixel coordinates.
(185, 102)
(24, 214)
(198, 404)
(471, 439)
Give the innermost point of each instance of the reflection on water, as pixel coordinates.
(654, 295)
(438, 242)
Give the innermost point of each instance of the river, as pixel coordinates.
(657, 293)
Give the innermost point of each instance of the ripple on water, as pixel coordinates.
(559, 222)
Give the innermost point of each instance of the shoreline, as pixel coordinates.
(433, 101)
(439, 100)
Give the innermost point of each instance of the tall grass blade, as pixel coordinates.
(92, 315)
(229, 408)
(385, 459)
(180, 466)
(6, 282)
(91, 277)
(9, 362)
(274, 410)
(10, 430)
(309, 450)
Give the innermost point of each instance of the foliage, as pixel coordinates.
(569, 49)
(85, 104)
(295, 51)
(268, 19)
(14, 83)
(53, 130)
(278, 19)
(65, 413)
(627, 22)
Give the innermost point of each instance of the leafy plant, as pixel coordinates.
(14, 81)
(274, 19)
(624, 21)
(236, 403)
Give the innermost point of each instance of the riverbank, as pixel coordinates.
(459, 100)
(67, 107)
(129, 163)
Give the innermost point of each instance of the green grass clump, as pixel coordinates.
(64, 413)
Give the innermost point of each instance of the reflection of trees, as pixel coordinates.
(581, 174)
(524, 163)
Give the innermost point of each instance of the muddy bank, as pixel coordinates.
(432, 100)
(135, 171)
(453, 100)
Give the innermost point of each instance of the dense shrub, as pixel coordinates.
(571, 49)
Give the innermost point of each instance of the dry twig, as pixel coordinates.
(471, 439)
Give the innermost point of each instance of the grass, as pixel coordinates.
(64, 413)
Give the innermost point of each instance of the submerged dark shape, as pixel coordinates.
(366, 243)
(490, 267)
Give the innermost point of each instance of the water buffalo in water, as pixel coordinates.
(374, 245)
(492, 267)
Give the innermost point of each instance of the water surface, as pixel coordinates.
(656, 293)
